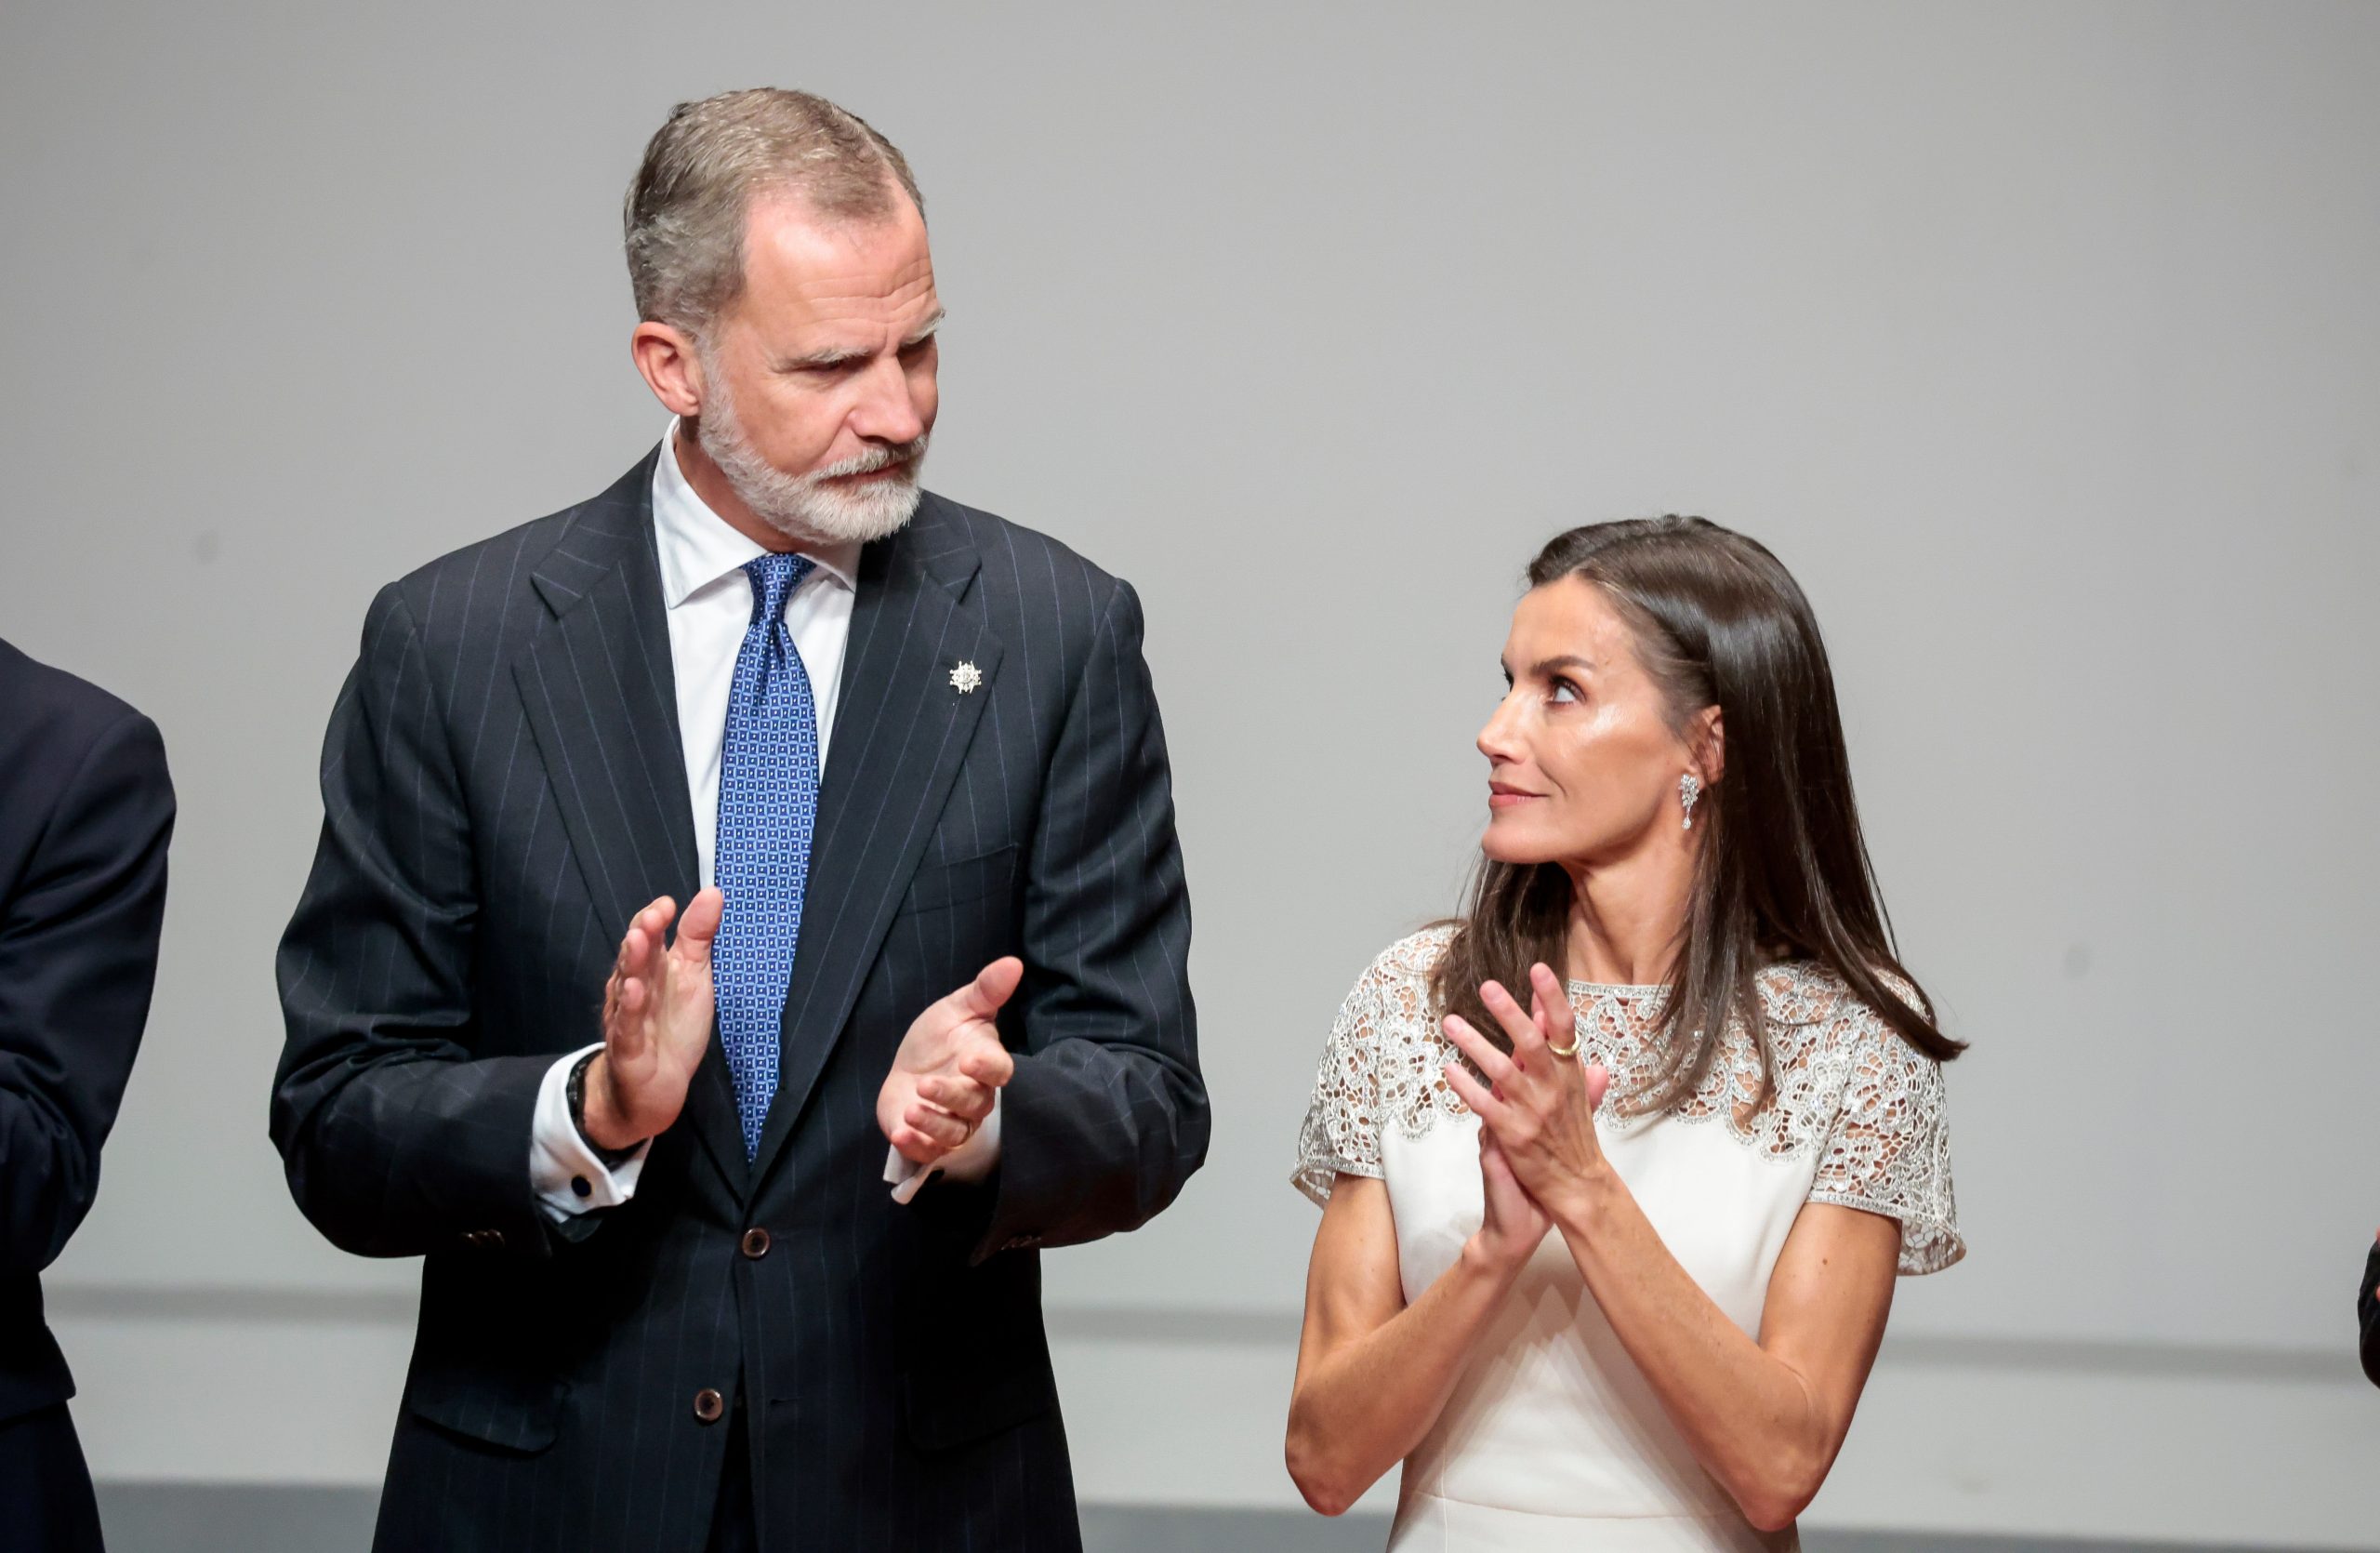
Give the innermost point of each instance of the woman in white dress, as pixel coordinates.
(1608, 1272)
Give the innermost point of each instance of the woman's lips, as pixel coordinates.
(1503, 797)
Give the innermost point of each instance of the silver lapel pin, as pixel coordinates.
(965, 678)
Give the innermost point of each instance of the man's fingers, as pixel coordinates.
(946, 1131)
(993, 986)
(915, 1146)
(625, 1031)
(961, 1097)
(700, 925)
(644, 935)
(987, 1062)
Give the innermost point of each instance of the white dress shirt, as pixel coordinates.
(709, 599)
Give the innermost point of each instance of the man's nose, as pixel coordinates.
(887, 410)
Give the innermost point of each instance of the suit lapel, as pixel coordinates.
(601, 701)
(901, 728)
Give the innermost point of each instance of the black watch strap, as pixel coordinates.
(576, 1091)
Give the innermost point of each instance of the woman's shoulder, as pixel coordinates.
(1409, 960)
(1381, 1066)
(1811, 1006)
(1872, 1103)
(1392, 999)
(1835, 1057)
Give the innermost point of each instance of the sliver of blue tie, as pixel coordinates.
(768, 809)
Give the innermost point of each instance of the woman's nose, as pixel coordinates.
(1498, 740)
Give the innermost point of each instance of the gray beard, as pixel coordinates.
(803, 507)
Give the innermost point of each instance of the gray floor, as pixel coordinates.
(185, 1518)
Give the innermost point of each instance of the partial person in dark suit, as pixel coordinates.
(85, 812)
(2367, 1314)
(730, 1237)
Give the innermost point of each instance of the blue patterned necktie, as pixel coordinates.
(768, 807)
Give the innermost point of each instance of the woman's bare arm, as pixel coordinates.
(1373, 1372)
(1764, 1416)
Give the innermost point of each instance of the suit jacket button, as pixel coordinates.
(709, 1405)
(754, 1243)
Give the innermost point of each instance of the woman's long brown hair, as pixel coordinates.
(1783, 871)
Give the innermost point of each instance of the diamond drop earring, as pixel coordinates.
(1689, 788)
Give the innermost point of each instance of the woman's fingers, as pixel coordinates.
(1472, 1093)
(1493, 1064)
(1598, 1083)
(1492, 1162)
(1548, 997)
(1519, 1028)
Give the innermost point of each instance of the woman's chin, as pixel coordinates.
(1506, 844)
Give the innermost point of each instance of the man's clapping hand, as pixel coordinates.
(656, 1023)
(950, 1066)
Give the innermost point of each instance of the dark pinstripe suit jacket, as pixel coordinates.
(503, 787)
(86, 810)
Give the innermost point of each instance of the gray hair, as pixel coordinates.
(684, 216)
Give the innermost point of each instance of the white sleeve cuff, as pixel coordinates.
(972, 1161)
(565, 1173)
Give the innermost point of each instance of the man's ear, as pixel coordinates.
(1709, 742)
(665, 355)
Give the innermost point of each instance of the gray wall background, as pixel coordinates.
(2040, 339)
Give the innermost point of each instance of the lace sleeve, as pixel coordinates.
(1341, 1129)
(1889, 1150)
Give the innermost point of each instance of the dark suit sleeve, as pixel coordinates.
(396, 1139)
(1106, 1116)
(78, 959)
(2367, 1314)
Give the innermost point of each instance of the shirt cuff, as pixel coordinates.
(567, 1176)
(972, 1161)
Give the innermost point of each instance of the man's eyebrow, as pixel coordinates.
(924, 331)
(834, 355)
(842, 356)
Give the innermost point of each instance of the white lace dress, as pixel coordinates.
(1552, 1439)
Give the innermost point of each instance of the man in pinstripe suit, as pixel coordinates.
(901, 760)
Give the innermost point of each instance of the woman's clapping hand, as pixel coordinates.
(1536, 1109)
(1514, 1224)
